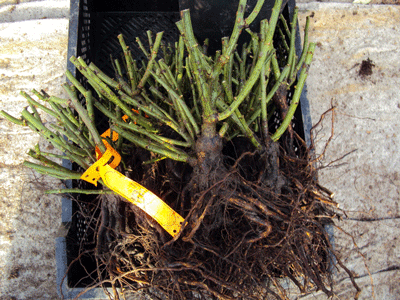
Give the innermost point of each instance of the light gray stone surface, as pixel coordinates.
(33, 54)
(15, 11)
(365, 133)
(366, 124)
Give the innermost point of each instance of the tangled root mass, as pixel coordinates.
(253, 218)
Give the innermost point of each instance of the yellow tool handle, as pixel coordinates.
(129, 189)
(170, 220)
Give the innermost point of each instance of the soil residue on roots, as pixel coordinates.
(255, 217)
(366, 68)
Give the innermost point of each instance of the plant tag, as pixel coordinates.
(132, 191)
(92, 174)
(150, 203)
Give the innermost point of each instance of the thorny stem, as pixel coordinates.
(187, 91)
(128, 62)
(37, 104)
(305, 45)
(292, 50)
(85, 118)
(153, 56)
(264, 115)
(296, 96)
(12, 119)
(181, 106)
(106, 92)
(80, 191)
(198, 64)
(60, 172)
(265, 48)
(159, 149)
(240, 23)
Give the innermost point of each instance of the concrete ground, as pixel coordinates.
(365, 136)
(361, 164)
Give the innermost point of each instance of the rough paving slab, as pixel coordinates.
(32, 55)
(366, 179)
(365, 136)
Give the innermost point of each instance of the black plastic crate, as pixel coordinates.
(94, 26)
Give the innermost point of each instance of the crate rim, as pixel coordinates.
(66, 217)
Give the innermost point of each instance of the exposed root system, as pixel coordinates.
(259, 217)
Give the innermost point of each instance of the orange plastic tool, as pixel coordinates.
(135, 193)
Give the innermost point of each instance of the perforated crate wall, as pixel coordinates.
(94, 26)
